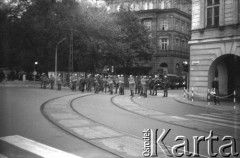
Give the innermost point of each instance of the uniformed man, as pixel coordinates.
(82, 83)
(59, 82)
(150, 85)
(165, 86)
(45, 81)
(110, 83)
(96, 83)
(105, 83)
(131, 85)
(42, 79)
(144, 86)
(89, 84)
(121, 85)
(136, 84)
(101, 87)
(156, 85)
(51, 80)
(116, 83)
(74, 82)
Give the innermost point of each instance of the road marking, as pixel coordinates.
(177, 117)
(219, 116)
(36, 147)
(227, 115)
(220, 124)
(213, 119)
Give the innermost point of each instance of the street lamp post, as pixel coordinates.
(186, 69)
(35, 72)
(56, 55)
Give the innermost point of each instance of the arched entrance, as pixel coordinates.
(164, 68)
(227, 69)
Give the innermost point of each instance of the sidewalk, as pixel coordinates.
(17, 83)
(224, 106)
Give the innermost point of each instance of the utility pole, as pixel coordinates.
(70, 70)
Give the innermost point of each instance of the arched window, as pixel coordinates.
(118, 7)
(177, 66)
(131, 7)
(145, 5)
(150, 5)
(163, 65)
(136, 7)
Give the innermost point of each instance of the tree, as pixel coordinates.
(133, 42)
(30, 30)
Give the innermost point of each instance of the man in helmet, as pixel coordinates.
(144, 86)
(105, 83)
(116, 83)
(51, 80)
(131, 85)
(110, 83)
(165, 86)
(121, 85)
(74, 82)
(59, 82)
(150, 83)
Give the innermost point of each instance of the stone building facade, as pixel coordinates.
(169, 22)
(215, 46)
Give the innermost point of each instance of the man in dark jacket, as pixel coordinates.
(215, 88)
(165, 86)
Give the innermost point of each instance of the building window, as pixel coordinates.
(177, 66)
(118, 8)
(213, 12)
(136, 7)
(145, 6)
(148, 24)
(183, 44)
(131, 7)
(177, 44)
(162, 4)
(150, 5)
(183, 28)
(163, 43)
(164, 25)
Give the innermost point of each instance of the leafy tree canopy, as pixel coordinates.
(31, 29)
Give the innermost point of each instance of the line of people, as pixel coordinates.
(112, 84)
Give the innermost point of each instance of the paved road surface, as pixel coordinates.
(20, 115)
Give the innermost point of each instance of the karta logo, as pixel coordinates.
(152, 143)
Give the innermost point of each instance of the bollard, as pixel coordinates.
(184, 93)
(208, 96)
(234, 99)
(192, 94)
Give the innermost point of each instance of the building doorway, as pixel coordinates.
(227, 69)
(164, 68)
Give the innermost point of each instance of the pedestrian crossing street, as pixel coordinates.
(18, 146)
(221, 119)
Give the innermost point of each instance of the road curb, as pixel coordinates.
(206, 106)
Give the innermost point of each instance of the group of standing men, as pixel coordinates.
(141, 84)
(137, 84)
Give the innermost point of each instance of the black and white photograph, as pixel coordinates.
(119, 78)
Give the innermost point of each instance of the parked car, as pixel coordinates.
(175, 81)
